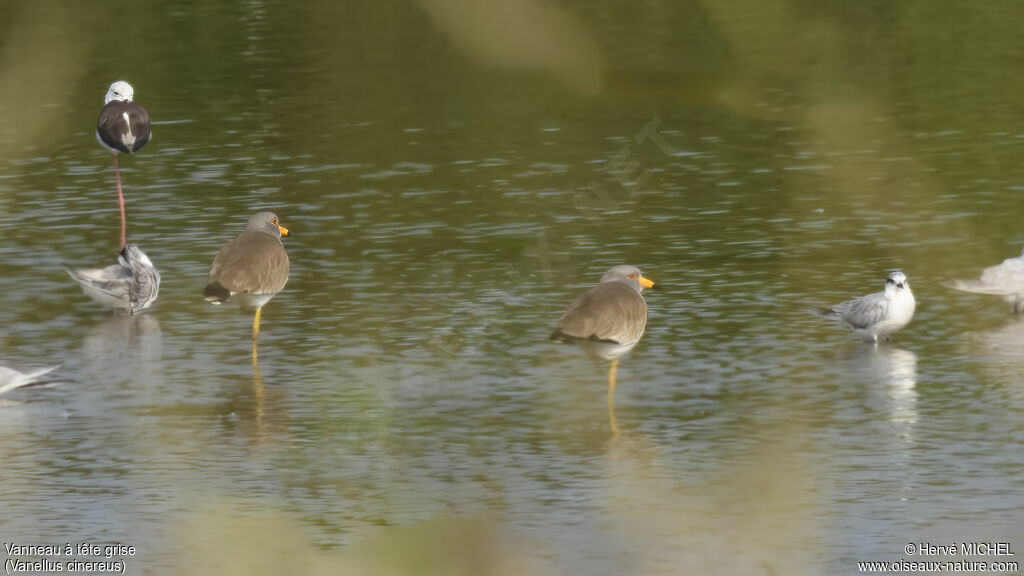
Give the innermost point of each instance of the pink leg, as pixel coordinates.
(120, 200)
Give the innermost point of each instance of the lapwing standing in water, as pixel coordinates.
(252, 268)
(608, 321)
(1005, 279)
(876, 316)
(123, 126)
(131, 285)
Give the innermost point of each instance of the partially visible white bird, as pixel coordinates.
(132, 284)
(11, 379)
(876, 315)
(1006, 280)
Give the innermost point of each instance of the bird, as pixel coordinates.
(130, 285)
(252, 268)
(879, 315)
(608, 321)
(11, 379)
(123, 126)
(1005, 279)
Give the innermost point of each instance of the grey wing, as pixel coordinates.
(144, 288)
(1008, 276)
(864, 312)
(109, 286)
(1003, 279)
(12, 379)
(980, 287)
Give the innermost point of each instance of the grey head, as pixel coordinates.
(897, 280)
(133, 257)
(119, 90)
(268, 223)
(629, 274)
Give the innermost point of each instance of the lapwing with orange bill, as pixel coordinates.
(607, 321)
(251, 269)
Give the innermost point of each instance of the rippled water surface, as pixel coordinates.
(454, 174)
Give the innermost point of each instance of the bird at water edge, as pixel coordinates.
(251, 269)
(607, 321)
(130, 285)
(876, 316)
(123, 126)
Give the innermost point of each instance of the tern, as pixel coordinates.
(876, 316)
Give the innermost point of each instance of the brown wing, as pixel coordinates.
(254, 263)
(612, 311)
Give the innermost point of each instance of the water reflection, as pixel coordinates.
(1000, 350)
(768, 499)
(896, 369)
(125, 348)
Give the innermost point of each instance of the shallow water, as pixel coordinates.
(452, 185)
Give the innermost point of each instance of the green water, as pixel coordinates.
(455, 173)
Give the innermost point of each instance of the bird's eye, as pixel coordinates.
(631, 276)
(274, 221)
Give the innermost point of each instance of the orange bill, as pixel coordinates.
(645, 282)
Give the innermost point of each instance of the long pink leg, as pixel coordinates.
(120, 201)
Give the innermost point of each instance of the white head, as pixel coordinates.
(628, 274)
(897, 281)
(119, 90)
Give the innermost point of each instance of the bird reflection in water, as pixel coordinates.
(1002, 349)
(125, 347)
(257, 393)
(897, 369)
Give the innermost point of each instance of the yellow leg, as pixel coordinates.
(255, 335)
(612, 421)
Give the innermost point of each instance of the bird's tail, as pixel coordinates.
(84, 275)
(216, 293)
(36, 374)
(978, 287)
(823, 312)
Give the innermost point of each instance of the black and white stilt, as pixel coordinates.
(123, 126)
